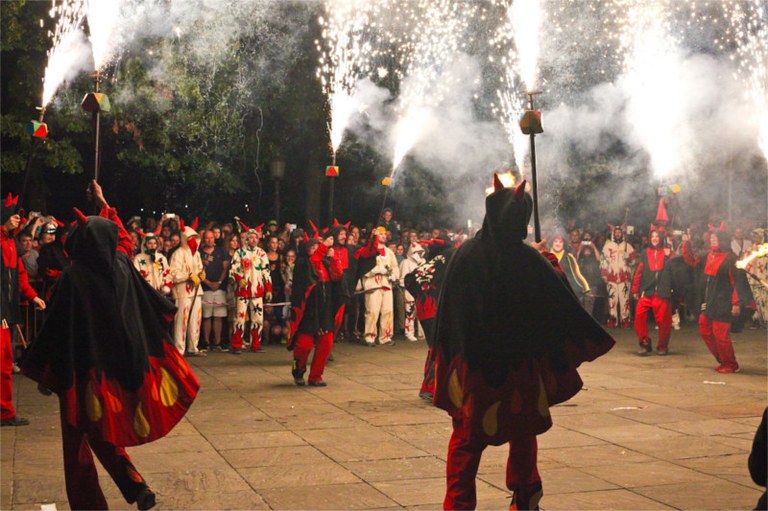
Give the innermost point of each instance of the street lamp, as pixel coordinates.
(277, 171)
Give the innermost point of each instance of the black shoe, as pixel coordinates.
(330, 357)
(145, 499)
(318, 383)
(298, 376)
(15, 421)
(527, 497)
(236, 351)
(426, 396)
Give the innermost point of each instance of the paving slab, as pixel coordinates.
(645, 433)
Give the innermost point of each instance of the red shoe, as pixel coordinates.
(728, 369)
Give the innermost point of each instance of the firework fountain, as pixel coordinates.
(749, 21)
(439, 37)
(346, 53)
(102, 18)
(522, 25)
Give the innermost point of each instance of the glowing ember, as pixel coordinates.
(525, 16)
(759, 251)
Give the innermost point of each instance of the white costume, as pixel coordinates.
(252, 281)
(186, 268)
(377, 285)
(414, 258)
(616, 270)
(155, 269)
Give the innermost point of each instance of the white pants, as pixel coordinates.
(251, 309)
(378, 304)
(187, 334)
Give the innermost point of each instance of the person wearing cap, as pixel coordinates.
(14, 285)
(377, 286)
(52, 259)
(153, 266)
(252, 284)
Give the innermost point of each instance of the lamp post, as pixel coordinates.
(277, 171)
(530, 124)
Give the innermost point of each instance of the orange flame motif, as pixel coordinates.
(758, 251)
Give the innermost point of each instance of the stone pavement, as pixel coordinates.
(646, 433)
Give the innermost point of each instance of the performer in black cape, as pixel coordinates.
(510, 334)
(105, 350)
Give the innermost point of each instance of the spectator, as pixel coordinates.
(377, 285)
(252, 285)
(187, 273)
(589, 263)
(414, 259)
(390, 225)
(615, 268)
(216, 268)
(153, 266)
(739, 245)
(274, 322)
(53, 259)
(28, 255)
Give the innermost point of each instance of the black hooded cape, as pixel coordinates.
(105, 345)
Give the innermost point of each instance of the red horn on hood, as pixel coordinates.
(11, 200)
(335, 222)
(194, 224)
(258, 227)
(245, 227)
(314, 227)
(722, 226)
(346, 226)
(497, 184)
(181, 224)
(520, 190)
(81, 218)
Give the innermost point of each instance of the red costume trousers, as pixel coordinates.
(464, 459)
(717, 337)
(82, 480)
(662, 313)
(6, 375)
(304, 344)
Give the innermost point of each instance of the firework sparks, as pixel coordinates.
(759, 251)
(749, 22)
(67, 41)
(347, 51)
(102, 21)
(439, 37)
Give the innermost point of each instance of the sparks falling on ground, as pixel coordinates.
(102, 22)
(67, 44)
(440, 37)
(347, 51)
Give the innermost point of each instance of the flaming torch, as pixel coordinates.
(530, 124)
(758, 251)
(96, 102)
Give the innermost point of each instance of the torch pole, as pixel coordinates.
(534, 181)
(330, 194)
(96, 133)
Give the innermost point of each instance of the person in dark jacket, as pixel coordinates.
(722, 301)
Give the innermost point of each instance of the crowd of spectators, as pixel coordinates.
(599, 262)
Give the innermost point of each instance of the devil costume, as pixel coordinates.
(510, 335)
(725, 290)
(105, 350)
(615, 267)
(424, 283)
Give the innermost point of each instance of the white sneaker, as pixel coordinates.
(386, 341)
(411, 338)
(16, 369)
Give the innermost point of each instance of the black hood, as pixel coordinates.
(507, 213)
(94, 243)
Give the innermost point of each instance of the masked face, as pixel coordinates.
(192, 244)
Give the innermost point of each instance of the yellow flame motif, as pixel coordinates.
(491, 420)
(169, 391)
(454, 390)
(92, 404)
(543, 402)
(140, 423)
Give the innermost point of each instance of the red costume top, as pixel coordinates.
(14, 279)
(652, 275)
